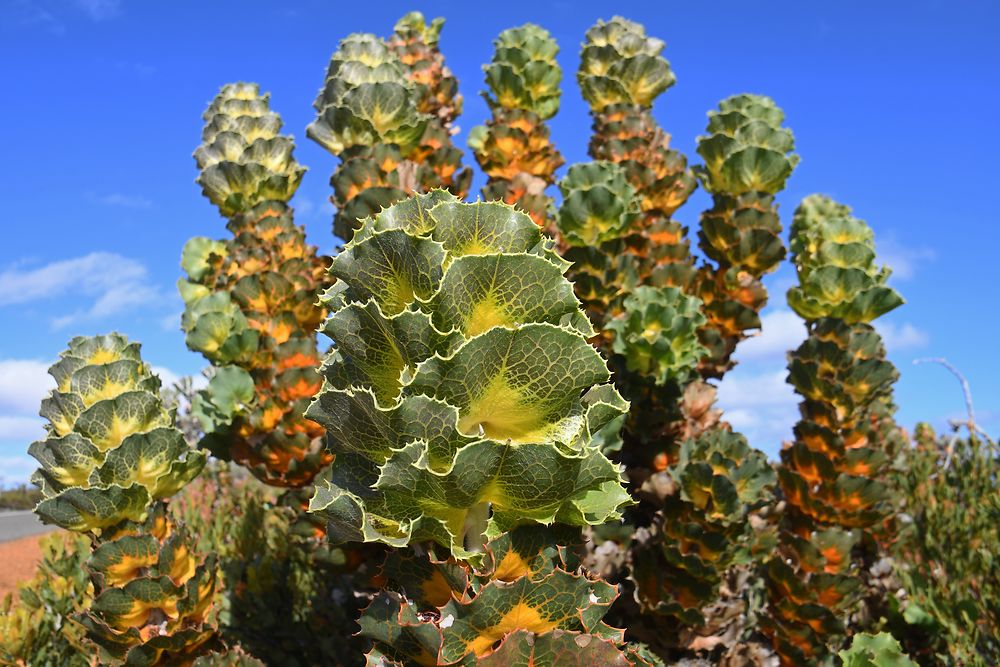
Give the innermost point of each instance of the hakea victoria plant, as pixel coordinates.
(514, 148)
(622, 72)
(109, 463)
(748, 159)
(520, 427)
(386, 109)
(464, 405)
(250, 300)
(833, 474)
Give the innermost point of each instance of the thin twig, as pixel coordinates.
(967, 392)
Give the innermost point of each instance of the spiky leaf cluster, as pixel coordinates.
(110, 449)
(748, 158)
(832, 475)
(811, 584)
(369, 114)
(513, 147)
(415, 43)
(244, 158)
(250, 308)
(656, 334)
(153, 594)
(881, 650)
(620, 64)
(524, 73)
(599, 210)
(521, 608)
(747, 149)
(621, 73)
(831, 480)
(461, 398)
(599, 204)
(703, 528)
(366, 99)
(834, 254)
(111, 455)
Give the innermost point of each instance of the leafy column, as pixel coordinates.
(621, 74)
(748, 158)
(514, 148)
(250, 301)
(831, 473)
(415, 43)
(110, 460)
(463, 401)
(367, 114)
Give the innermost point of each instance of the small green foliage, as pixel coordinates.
(834, 254)
(704, 527)
(746, 150)
(620, 64)
(947, 552)
(244, 159)
(599, 204)
(524, 73)
(656, 334)
(879, 650)
(36, 626)
(366, 99)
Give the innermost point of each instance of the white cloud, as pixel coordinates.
(23, 384)
(22, 429)
(760, 405)
(16, 469)
(171, 322)
(28, 13)
(167, 376)
(781, 331)
(122, 200)
(902, 337)
(100, 10)
(902, 259)
(113, 282)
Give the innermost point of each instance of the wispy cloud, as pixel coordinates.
(903, 336)
(761, 405)
(31, 14)
(903, 259)
(121, 200)
(100, 10)
(112, 283)
(49, 15)
(23, 383)
(781, 331)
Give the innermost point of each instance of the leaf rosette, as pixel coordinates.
(834, 253)
(244, 160)
(110, 449)
(366, 99)
(747, 149)
(656, 334)
(461, 398)
(620, 64)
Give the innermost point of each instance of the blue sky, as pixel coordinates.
(891, 104)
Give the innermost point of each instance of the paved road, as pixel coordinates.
(20, 524)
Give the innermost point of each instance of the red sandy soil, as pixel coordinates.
(19, 558)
